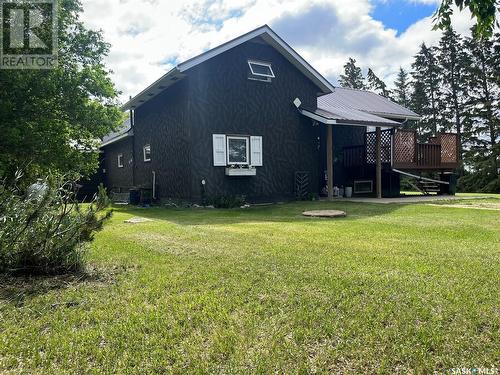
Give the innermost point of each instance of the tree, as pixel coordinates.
(53, 119)
(376, 84)
(426, 71)
(484, 11)
(419, 103)
(401, 88)
(453, 61)
(484, 130)
(353, 76)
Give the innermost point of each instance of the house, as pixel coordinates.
(251, 117)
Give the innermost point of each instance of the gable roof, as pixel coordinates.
(365, 101)
(265, 32)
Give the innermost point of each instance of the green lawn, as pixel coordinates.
(390, 289)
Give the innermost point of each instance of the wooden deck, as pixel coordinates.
(401, 150)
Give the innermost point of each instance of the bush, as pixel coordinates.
(43, 229)
(228, 201)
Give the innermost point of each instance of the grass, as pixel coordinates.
(390, 289)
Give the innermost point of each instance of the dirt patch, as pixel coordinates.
(137, 220)
(475, 205)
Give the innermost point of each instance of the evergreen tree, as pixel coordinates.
(401, 88)
(482, 109)
(426, 71)
(419, 103)
(353, 76)
(453, 61)
(376, 84)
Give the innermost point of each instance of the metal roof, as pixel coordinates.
(264, 32)
(123, 131)
(350, 116)
(344, 99)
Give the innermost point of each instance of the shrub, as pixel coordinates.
(43, 229)
(228, 201)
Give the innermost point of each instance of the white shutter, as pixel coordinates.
(256, 151)
(219, 148)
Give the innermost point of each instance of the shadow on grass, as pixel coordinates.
(283, 212)
(15, 290)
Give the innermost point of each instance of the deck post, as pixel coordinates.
(378, 152)
(329, 161)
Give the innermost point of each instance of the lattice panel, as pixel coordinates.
(301, 184)
(404, 147)
(449, 148)
(371, 146)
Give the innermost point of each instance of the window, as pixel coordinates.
(237, 150)
(261, 71)
(361, 187)
(120, 160)
(146, 150)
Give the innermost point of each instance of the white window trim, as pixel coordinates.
(357, 182)
(250, 62)
(120, 162)
(144, 152)
(247, 139)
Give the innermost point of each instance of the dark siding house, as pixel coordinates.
(246, 118)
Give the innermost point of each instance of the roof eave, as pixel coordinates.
(116, 139)
(316, 117)
(396, 116)
(331, 121)
(154, 89)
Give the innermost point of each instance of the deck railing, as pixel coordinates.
(401, 149)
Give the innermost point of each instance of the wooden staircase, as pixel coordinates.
(425, 187)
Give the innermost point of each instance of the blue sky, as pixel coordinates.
(400, 15)
(148, 38)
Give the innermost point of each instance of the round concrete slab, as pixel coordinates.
(324, 213)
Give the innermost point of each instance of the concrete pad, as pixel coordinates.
(324, 213)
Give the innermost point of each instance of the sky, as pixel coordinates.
(150, 37)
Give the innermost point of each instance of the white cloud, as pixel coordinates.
(150, 37)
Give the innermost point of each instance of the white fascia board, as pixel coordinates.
(151, 89)
(188, 64)
(318, 118)
(115, 139)
(328, 121)
(292, 56)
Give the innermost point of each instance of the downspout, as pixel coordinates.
(154, 185)
(133, 142)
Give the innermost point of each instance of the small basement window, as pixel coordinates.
(260, 70)
(237, 150)
(361, 187)
(120, 160)
(147, 152)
